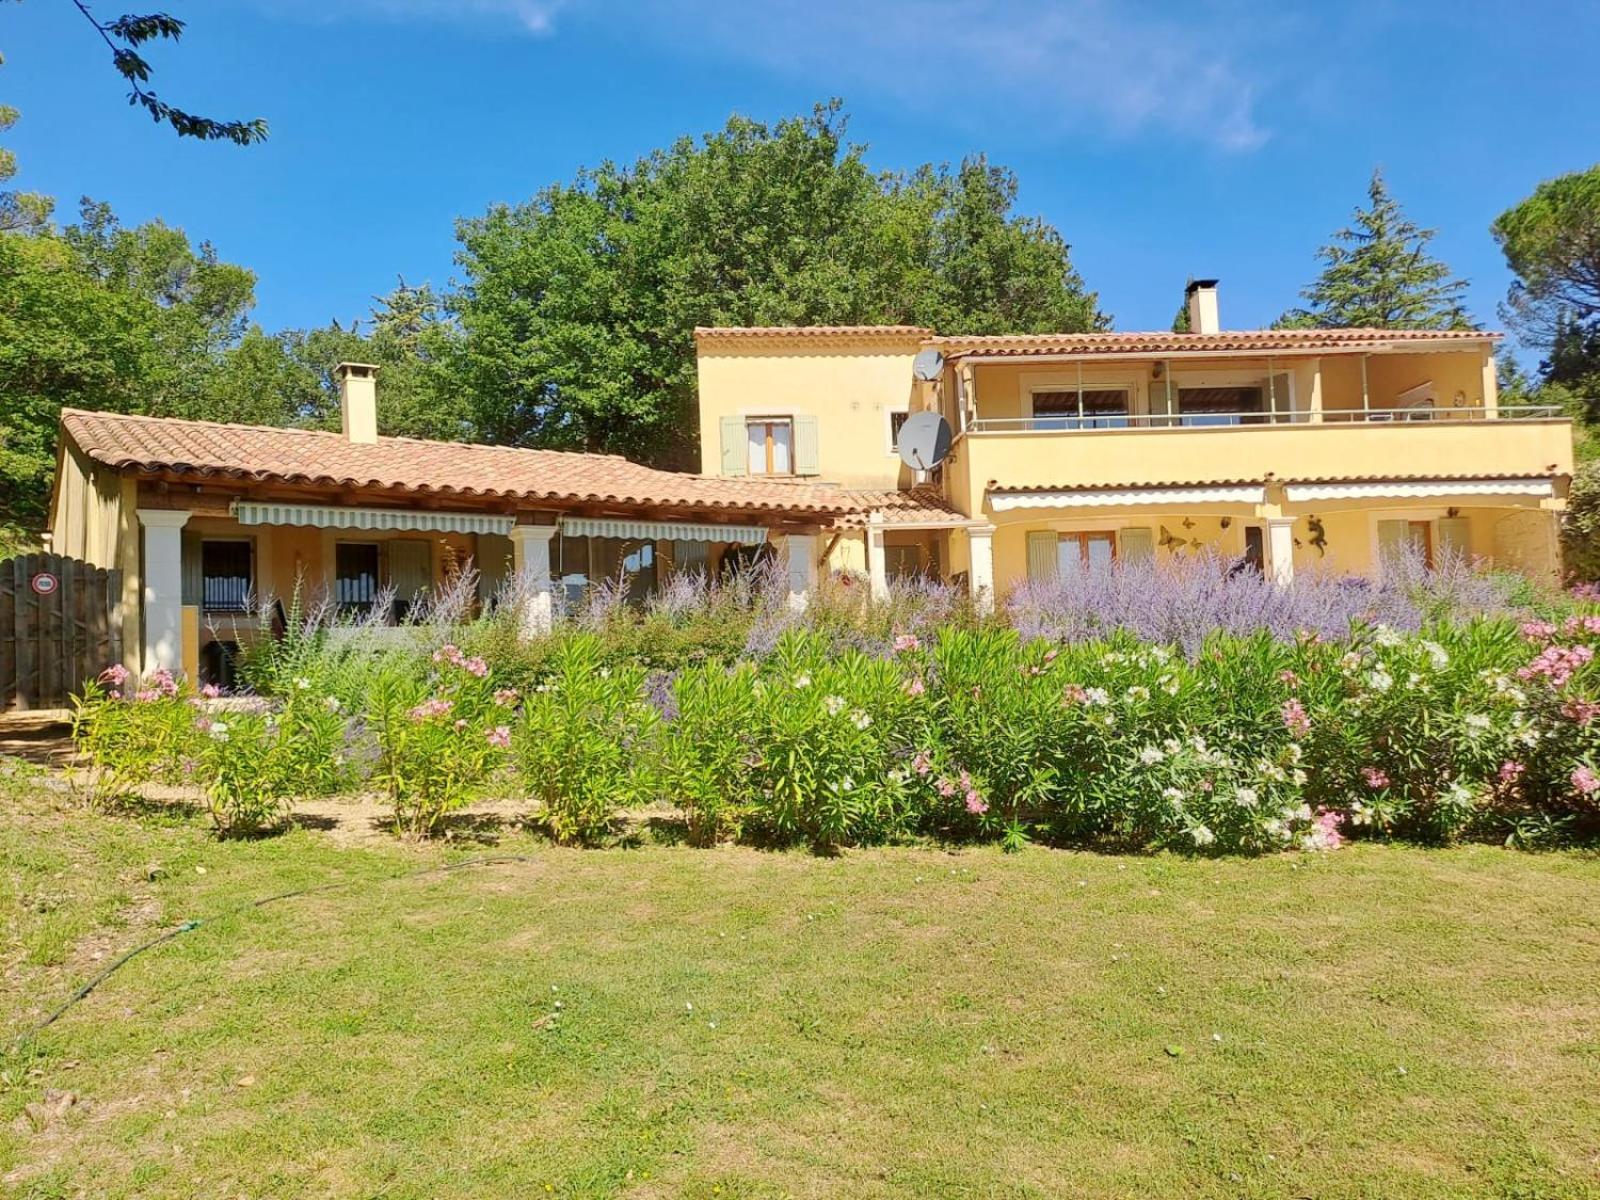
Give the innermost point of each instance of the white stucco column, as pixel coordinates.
(800, 564)
(980, 567)
(1280, 550)
(163, 587)
(530, 562)
(877, 564)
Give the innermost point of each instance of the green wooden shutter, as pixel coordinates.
(1393, 538)
(1136, 544)
(1455, 537)
(807, 452)
(735, 446)
(410, 569)
(190, 577)
(1042, 550)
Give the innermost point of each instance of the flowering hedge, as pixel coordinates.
(1245, 744)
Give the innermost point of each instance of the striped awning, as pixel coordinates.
(1417, 489)
(331, 516)
(682, 531)
(1117, 497)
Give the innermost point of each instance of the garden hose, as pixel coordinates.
(191, 925)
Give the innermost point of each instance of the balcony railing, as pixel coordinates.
(1069, 423)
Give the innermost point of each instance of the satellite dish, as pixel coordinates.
(928, 365)
(924, 441)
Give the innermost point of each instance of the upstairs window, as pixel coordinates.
(1090, 408)
(1221, 406)
(897, 421)
(770, 445)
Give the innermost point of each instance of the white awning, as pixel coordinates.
(1417, 489)
(681, 531)
(330, 516)
(1117, 497)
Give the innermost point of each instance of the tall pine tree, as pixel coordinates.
(1377, 273)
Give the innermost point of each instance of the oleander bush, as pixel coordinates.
(1183, 708)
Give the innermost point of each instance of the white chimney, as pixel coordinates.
(358, 400)
(1201, 295)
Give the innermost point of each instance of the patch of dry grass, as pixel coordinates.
(665, 1021)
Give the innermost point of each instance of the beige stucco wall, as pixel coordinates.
(850, 386)
(86, 514)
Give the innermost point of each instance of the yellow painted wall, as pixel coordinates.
(1300, 451)
(849, 385)
(86, 514)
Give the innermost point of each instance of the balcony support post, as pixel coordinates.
(530, 562)
(877, 564)
(1280, 550)
(163, 588)
(980, 567)
(1366, 396)
(800, 568)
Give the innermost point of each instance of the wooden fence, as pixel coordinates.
(60, 624)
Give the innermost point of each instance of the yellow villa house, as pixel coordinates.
(1293, 450)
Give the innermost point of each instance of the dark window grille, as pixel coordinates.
(355, 575)
(225, 576)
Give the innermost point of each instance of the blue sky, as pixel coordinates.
(1224, 139)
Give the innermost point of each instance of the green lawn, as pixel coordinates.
(1375, 1022)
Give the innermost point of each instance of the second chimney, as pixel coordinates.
(1201, 295)
(358, 400)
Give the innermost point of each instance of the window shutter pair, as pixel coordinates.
(1455, 537)
(1134, 544)
(190, 577)
(735, 446)
(1393, 538)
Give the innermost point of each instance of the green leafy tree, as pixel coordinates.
(574, 325)
(26, 212)
(1551, 242)
(1377, 273)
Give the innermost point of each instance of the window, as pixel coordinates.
(770, 442)
(226, 579)
(355, 575)
(1090, 408)
(1220, 406)
(897, 420)
(1080, 552)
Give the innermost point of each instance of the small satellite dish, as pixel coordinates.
(924, 441)
(928, 365)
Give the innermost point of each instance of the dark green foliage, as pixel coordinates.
(1377, 273)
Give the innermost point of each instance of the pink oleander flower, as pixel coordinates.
(211, 691)
(1050, 656)
(1073, 694)
(429, 709)
(1295, 719)
(461, 723)
(976, 805)
(1375, 777)
(145, 695)
(500, 737)
(906, 641)
(162, 682)
(449, 653)
(116, 675)
(1557, 664)
(1577, 624)
(506, 697)
(916, 687)
(1538, 631)
(922, 762)
(1581, 711)
(1585, 780)
(1326, 832)
(1511, 771)
(945, 787)
(475, 666)
(1289, 679)
(203, 724)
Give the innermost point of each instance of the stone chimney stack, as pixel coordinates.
(1201, 295)
(358, 400)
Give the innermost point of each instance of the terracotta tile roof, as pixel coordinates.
(1229, 341)
(918, 505)
(1389, 477)
(751, 332)
(253, 453)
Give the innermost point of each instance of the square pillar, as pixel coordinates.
(877, 564)
(530, 562)
(163, 588)
(800, 567)
(980, 567)
(1280, 550)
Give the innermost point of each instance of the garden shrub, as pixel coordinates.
(584, 740)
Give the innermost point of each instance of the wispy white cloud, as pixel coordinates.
(1066, 66)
